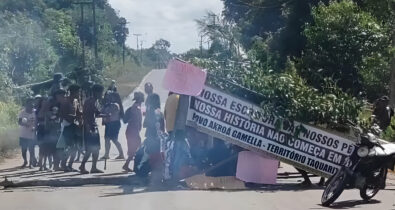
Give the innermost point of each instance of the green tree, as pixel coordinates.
(159, 53)
(277, 23)
(349, 46)
(26, 55)
(223, 35)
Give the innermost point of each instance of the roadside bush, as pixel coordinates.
(288, 96)
(389, 133)
(8, 127)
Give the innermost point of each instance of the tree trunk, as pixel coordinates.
(392, 81)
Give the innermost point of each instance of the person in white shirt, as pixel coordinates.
(27, 132)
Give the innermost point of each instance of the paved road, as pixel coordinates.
(286, 195)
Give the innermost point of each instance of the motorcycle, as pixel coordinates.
(368, 173)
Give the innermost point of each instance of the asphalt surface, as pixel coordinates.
(133, 194)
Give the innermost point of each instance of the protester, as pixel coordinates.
(383, 112)
(87, 89)
(71, 116)
(27, 122)
(85, 93)
(153, 116)
(112, 125)
(177, 154)
(91, 132)
(38, 102)
(133, 117)
(113, 86)
(49, 123)
(41, 133)
(171, 111)
(154, 122)
(56, 83)
(149, 90)
(58, 151)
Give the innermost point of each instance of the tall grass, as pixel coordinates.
(8, 128)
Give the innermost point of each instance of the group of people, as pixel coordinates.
(64, 125)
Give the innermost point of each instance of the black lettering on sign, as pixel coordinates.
(207, 109)
(316, 164)
(285, 153)
(214, 98)
(199, 119)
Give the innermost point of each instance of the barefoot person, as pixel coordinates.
(154, 124)
(112, 124)
(133, 117)
(69, 139)
(60, 99)
(49, 131)
(91, 132)
(27, 122)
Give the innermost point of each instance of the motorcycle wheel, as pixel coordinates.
(334, 188)
(370, 190)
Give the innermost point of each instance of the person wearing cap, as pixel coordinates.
(112, 125)
(133, 117)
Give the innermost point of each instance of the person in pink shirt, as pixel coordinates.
(133, 117)
(27, 132)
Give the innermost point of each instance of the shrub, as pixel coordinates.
(8, 127)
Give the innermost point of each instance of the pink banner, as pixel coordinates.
(254, 168)
(184, 78)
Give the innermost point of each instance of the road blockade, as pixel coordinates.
(245, 124)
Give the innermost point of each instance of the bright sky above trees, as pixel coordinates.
(173, 20)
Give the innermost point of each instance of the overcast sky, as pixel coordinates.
(173, 20)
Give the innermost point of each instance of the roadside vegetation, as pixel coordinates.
(41, 37)
(321, 62)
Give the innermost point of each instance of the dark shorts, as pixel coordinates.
(47, 143)
(26, 143)
(72, 135)
(112, 130)
(47, 148)
(92, 139)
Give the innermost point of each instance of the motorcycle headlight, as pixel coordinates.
(363, 151)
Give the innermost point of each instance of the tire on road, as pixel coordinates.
(334, 188)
